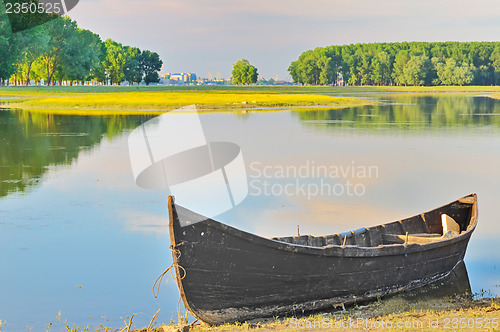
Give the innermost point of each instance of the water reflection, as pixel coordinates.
(455, 284)
(412, 112)
(31, 143)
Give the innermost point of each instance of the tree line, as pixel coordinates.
(60, 51)
(406, 63)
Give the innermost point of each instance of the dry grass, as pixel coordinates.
(395, 313)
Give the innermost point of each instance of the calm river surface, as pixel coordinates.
(81, 244)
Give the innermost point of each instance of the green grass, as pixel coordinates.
(436, 315)
(126, 99)
(235, 88)
(33, 90)
(422, 315)
(495, 95)
(100, 100)
(175, 99)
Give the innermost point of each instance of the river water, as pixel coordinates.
(81, 244)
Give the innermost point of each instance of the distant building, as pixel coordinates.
(178, 78)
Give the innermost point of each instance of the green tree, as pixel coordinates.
(350, 61)
(98, 72)
(38, 71)
(400, 62)
(32, 44)
(381, 69)
(446, 71)
(9, 50)
(464, 74)
(452, 73)
(326, 71)
(61, 32)
(308, 68)
(495, 64)
(483, 75)
(244, 73)
(116, 58)
(294, 71)
(336, 63)
(417, 70)
(364, 67)
(81, 55)
(133, 71)
(150, 64)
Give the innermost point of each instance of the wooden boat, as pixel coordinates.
(226, 275)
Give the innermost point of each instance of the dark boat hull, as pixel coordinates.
(227, 275)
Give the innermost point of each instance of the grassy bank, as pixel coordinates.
(171, 100)
(57, 90)
(396, 313)
(495, 95)
(167, 97)
(88, 100)
(161, 99)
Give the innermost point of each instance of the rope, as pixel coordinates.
(170, 268)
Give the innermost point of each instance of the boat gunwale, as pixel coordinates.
(353, 250)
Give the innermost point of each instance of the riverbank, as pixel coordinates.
(57, 90)
(495, 95)
(87, 100)
(396, 313)
(68, 101)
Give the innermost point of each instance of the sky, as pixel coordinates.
(209, 36)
